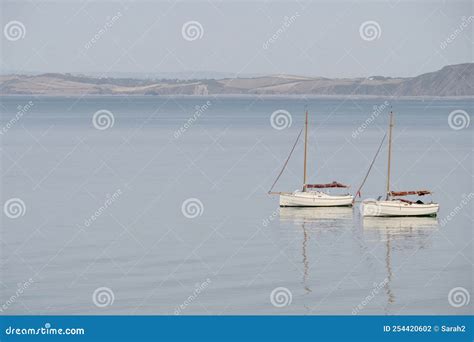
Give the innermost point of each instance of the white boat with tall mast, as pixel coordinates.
(393, 205)
(311, 194)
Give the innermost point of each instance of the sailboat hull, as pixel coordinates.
(398, 208)
(314, 199)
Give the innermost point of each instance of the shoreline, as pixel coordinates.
(247, 96)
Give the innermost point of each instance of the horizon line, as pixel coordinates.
(91, 74)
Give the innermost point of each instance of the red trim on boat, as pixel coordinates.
(329, 185)
(406, 193)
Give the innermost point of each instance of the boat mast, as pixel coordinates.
(305, 150)
(389, 154)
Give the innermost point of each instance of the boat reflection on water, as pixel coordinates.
(311, 222)
(408, 231)
(398, 233)
(401, 222)
(306, 215)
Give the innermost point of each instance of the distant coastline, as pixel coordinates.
(250, 96)
(451, 82)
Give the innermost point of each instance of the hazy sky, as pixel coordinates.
(319, 38)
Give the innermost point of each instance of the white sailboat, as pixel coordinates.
(311, 195)
(393, 205)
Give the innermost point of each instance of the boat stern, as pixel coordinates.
(371, 208)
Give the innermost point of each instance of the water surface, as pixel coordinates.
(240, 246)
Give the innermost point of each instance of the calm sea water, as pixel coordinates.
(140, 219)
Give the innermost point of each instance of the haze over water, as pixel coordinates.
(240, 244)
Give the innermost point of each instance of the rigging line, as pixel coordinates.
(370, 168)
(287, 160)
